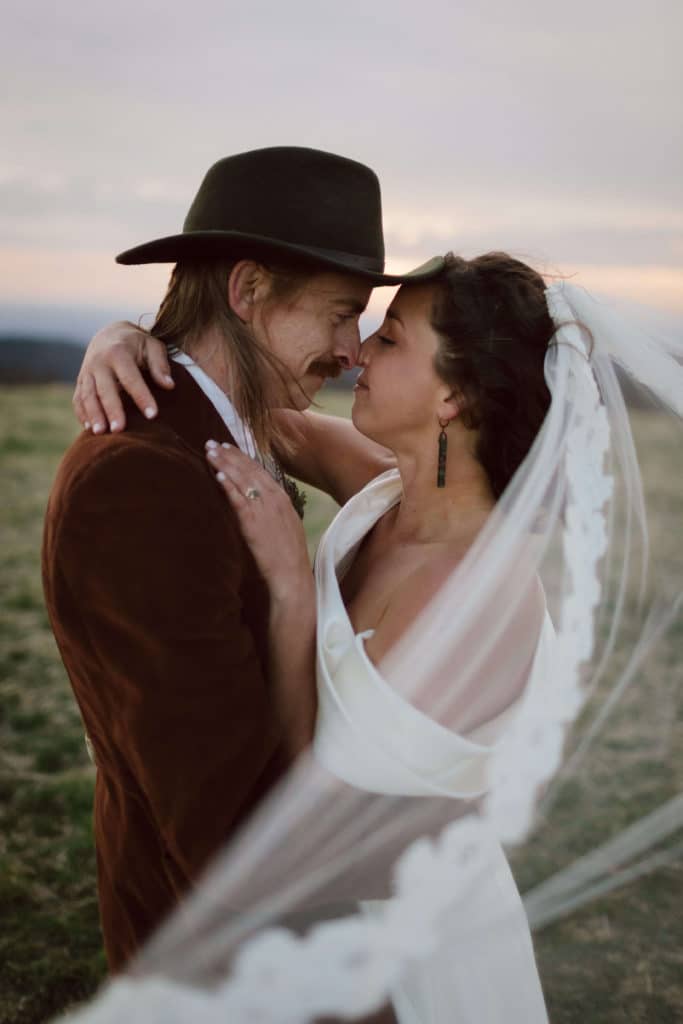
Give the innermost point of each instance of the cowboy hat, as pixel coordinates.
(321, 209)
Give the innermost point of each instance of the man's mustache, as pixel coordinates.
(331, 369)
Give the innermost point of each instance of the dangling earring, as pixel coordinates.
(443, 448)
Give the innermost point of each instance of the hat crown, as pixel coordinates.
(290, 202)
(291, 194)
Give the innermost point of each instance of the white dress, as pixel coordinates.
(400, 750)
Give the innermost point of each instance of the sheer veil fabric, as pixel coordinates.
(367, 875)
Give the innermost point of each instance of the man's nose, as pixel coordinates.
(363, 352)
(346, 352)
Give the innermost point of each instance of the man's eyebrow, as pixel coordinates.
(353, 305)
(391, 314)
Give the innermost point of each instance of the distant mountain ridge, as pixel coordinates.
(59, 322)
(43, 343)
(26, 360)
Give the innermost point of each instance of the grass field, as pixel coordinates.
(617, 960)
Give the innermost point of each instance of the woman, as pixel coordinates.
(452, 384)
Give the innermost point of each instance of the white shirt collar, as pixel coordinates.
(221, 403)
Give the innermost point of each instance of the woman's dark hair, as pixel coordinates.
(493, 322)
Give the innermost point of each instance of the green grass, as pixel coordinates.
(617, 959)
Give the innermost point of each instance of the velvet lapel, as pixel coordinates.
(187, 412)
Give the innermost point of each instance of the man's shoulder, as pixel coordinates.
(123, 470)
(124, 493)
(91, 456)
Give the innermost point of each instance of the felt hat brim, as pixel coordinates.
(201, 244)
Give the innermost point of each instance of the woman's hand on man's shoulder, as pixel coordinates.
(113, 362)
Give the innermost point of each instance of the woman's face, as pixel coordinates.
(398, 396)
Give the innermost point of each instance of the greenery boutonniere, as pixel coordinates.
(297, 497)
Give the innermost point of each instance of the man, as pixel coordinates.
(159, 611)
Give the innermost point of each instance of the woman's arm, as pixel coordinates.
(329, 453)
(291, 663)
(324, 451)
(275, 535)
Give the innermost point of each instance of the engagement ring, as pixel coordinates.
(252, 493)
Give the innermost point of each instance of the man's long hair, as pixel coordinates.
(196, 300)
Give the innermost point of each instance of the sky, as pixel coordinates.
(554, 131)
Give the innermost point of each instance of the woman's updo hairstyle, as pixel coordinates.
(493, 322)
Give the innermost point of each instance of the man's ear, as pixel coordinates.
(248, 284)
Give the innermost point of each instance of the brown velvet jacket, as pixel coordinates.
(161, 618)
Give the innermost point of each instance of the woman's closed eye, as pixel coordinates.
(382, 338)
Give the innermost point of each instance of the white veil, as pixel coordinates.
(274, 932)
